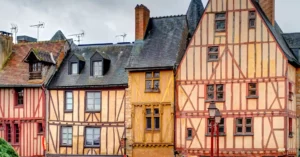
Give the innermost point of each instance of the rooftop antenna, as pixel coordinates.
(38, 26)
(14, 31)
(79, 36)
(123, 36)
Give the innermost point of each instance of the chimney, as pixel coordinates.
(6, 42)
(25, 39)
(268, 6)
(142, 16)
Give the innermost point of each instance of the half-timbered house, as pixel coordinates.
(87, 102)
(159, 46)
(239, 60)
(25, 69)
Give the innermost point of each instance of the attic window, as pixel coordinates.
(74, 68)
(35, 70)
(97, 68)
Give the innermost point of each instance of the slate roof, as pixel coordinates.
(15, 72)
(116, 75)
(292, 39)
(58, 36)
(194, 14)
(41, 56)
(276, 31)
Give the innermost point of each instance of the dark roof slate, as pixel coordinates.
(164, 44)
(116, 75)
(194, 15)
(58, 36)
(292, 39)
(276, 31)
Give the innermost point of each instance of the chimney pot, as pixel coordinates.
(142, 16)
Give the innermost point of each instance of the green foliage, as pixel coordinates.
(6, 150)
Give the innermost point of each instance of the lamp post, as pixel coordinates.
(218, 118)
(212, 113)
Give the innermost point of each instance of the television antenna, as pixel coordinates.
(38, 26)
(123, 36)
(79, 36)
(14, 31)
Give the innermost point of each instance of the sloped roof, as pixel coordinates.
(292, 39)
(194, 14)
(276, 31)
(164, 44)
(58, 36)
(16, 72)
(42, 56)
(116, 75)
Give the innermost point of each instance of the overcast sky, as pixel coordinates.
(102, 20)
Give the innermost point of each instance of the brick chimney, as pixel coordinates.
(268, 6)
(6, 42)
(142, 16)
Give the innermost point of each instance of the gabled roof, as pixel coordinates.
(42, 56)
(276, 31)
(15, 72)
(116, 75)
(103, 54)
(79, 57)
(194, 14)
(58, 36)
(292, 39)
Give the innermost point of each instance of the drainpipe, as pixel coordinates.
(174, 110)
(45, 113)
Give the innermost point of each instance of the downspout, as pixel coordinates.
(45, 113)
(174, 109)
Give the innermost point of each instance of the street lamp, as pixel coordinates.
(212, 113)
(218, 118)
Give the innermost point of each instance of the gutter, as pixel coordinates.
(89, 86)
(150, 68)
(20, 85)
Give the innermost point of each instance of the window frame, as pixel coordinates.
(152, 79)
(153, 117)
(249, 96)
(215, 92)
(244, 126)
(291, 127)
(187, 133)
(93, 68)
(208, 132)
(61, 135)
(16, 134)
(8, 133)
(209, 52)
(71, 67)
(86, 102)
(35, 67)
(291, 93)
(220, 19)
(85, 131)
(17, 97)
(251, 18)
(40, 124)
(66, 110)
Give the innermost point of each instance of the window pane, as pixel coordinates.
(148, 84)
(89, 131)
(156, 74)
(97, 107)
(88, 142)
(156, 111)
(248, 120)
(64, 141)
(189, 132)
(220, 16)
(252, 23)
(148, 74)
(210, 88)
(156, 119)
(97, 102)
(74, 68)
(252, 85)
(252, 92)
(156, 84)
(96, 131)
(210, 95)
(97, 95)
(239, 121)
(213, 49)
(69, 107)
(221, 129)
(148, 111)
(220, 25)
(90, 107)
(69, 94)
(148, 121)
(239, 129)
(220, 88)
(69, 101)
(248, 129)
(252, 14)
(90, 95)
(69, 142)
(212, 56)
(97, 141)
(90, 101)
(64, 130)
(220, 96)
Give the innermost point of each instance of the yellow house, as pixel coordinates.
(159, 46)
(239, 60)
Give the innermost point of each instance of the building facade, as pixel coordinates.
(24, 73)
(238, 60)
(87, 102)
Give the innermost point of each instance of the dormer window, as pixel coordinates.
(74, 68)
(97, 68)
(35, 70)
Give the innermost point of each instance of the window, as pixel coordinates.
(8, 133)
(252, 90)
(17, 133)
(68, 101)
(92, 137)
(152, 119)
(215, 92)
(252, 19)
(189, 133)
(66, 136)
(290, 127)
(152, 81)
(220, 22)
(221, 126)
(243, 126)
(93, 101)
(35, 67)
(97, 68)
(74, 68)
(291, 91)
(19, 95)
(213, 53)
(40, 128)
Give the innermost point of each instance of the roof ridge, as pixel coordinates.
(167, 16)
(39, 42)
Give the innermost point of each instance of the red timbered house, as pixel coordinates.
(239, 60)
(25, 68)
